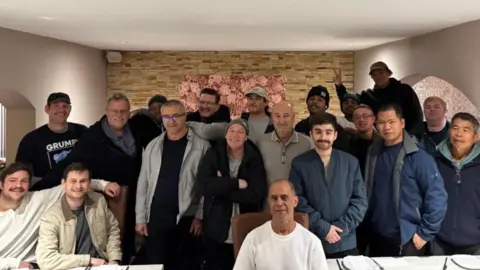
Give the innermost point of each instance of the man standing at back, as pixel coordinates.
(281, 243)
(330, 189)
(407, 198)
(45, 146)
(168, 206)
(258, 116)
(209, 108)
(435, 129)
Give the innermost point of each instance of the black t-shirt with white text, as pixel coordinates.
(42, 148)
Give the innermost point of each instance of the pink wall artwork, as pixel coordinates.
(232, 90)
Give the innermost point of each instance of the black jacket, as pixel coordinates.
(341, 143)
(269, 128)
(220, 116)
(427, 142)
(396, 92)
(221, 192)
(104, 159)
(145, 128)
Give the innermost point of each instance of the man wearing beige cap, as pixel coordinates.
(387, 90)
(258, 116)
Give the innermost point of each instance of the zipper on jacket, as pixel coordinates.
(458, 182)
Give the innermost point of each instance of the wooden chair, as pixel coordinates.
(118, 206)
(245, 223)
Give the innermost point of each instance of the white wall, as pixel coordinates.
(35, 66)
(452, 54)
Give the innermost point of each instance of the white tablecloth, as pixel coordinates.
(414, 263)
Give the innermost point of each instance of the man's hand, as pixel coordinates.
(418, 241)
(196, 227)
(141, 228)
(219, 174)
(337, 76)
(112, 190)
(97, 262)
(25, 265)
(113, 262)
(333, 235)
(242, 184)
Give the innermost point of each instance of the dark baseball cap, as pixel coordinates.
(58, 96)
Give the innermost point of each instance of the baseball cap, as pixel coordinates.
(58, 96)
(320, 91)
(259, 91)
(377, 66)
(157, 98)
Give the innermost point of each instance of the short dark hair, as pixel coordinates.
(467, 117)
(212, 92)
(75, 167)
(391, 107)
(323, 119)
(13, 168)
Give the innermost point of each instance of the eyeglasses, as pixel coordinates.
(362, 116)
(207, 103)
(283, 158)
(174, 117)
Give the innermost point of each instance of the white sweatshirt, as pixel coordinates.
(19, 228)
(263, 249)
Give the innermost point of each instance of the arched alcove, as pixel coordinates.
(426, 86)
(18, 119)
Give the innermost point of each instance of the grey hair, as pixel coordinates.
(290, 184)
(174, 102)
(117, 97)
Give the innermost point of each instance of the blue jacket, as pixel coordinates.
(339, 200)
(461, 226)
(418, 193)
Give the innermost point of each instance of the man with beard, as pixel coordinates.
(209, 108)
(318, 100)
(348, 103)
(387, 90)
(21, 210)
(47, 145)
(148, 123)
(330, 189)
(258, 116)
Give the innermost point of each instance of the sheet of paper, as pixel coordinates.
(357, 263)
(102, 267)
(389, 262)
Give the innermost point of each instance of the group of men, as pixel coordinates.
(375, 190)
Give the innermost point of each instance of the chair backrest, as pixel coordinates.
(118, 206)
(245, 223)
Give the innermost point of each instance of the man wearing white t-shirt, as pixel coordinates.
(282, 243)
(20, 213)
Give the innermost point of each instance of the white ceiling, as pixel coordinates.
(302, 25)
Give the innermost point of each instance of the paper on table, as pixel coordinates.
(389, 262)
(358, 263)
(466, 261)
(101, 267)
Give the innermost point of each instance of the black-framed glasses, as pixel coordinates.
(174, 117)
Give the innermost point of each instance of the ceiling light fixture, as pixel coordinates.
(124, 42)
(46, 18)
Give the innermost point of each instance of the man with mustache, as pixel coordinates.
(78, 230)
(318, 100)
(20, 213)
(459, 164)
(281, 243)
(281, 146)
(47, 145)
(330, 189)
(407, 197)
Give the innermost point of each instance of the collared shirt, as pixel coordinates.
(278, 157)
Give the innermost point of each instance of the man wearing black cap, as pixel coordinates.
(148, 123)
(318, 100)
(45, 146)
(388, 90)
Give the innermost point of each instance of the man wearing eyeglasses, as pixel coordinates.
(209, 108)
(279, 147)
(168, 206)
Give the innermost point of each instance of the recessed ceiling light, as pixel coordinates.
(124, 42)
(46, 18)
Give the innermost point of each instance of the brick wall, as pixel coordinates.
(143, 74)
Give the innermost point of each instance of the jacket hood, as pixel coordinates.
(444, 149)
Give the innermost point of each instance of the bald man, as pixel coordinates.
(281, 243)
(279, 147)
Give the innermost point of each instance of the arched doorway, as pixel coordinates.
(17, 119)
(426, 86)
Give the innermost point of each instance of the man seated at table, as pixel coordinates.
(281, 243)
(79, 230)
(20, 213)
